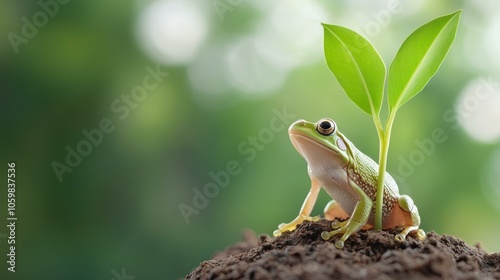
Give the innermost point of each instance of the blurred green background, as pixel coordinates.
(66, 67)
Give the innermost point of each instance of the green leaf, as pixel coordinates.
(419, 58)
(356, 65)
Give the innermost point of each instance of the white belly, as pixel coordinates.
(337, 186)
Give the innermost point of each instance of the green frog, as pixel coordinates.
(350, 178)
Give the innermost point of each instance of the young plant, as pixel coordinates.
(362, 74)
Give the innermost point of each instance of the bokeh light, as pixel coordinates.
(162, 29)
(478, 109)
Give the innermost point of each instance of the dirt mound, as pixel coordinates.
(302, 254)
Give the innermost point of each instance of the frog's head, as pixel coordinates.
(321, 144)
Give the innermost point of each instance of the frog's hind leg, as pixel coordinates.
(407, 205)
(357, 220)
(334, 212)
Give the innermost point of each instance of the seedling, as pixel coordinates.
(362, 74)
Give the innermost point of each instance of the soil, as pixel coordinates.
(368, 254)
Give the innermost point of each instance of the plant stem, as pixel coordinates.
(384, 140)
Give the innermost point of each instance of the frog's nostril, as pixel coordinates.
(301, 122)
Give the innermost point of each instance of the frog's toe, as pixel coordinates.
(284, 227)
(402, 235)
(336, 224)
(421, 234)
(293, 224)
(325, 235)
(312, 219)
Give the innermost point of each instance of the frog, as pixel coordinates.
(350, 178)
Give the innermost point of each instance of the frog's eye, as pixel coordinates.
(326, 127)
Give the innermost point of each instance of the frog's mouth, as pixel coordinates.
(305, 145)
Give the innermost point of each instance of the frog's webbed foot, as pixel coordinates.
(407, 205)
(339, 227)
(402, 235)
(347, 228)
(293, 224)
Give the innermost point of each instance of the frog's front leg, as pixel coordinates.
(358, 218)
(406, 204)
(305, 210)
